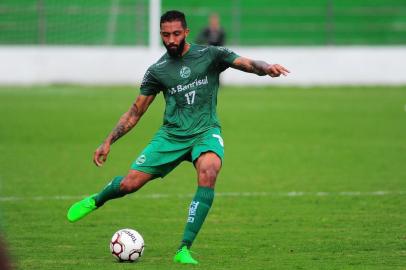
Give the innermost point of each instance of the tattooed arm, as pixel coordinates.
(127, 121)
(259, 67)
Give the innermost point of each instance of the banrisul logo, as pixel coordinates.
(185, 72)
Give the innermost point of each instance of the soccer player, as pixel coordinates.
(213, 34)
(188, 76)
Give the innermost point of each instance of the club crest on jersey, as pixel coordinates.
(185, 72)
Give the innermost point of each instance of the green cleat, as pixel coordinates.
(81, 209)
(183, 256)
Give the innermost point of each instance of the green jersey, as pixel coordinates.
(190, 85)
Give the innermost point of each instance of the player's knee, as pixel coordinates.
(126, 186)
(129, 185)
(134, 181)
(208, 176)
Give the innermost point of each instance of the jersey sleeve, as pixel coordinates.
(150, 85)
(225, 57)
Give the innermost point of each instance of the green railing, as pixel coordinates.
(247, 22)
(74, 22)
(302, 22)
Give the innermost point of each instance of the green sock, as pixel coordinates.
(111, 191)
(199, 207)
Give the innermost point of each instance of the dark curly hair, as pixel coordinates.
(174, 15)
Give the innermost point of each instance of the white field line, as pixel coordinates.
(218, 194)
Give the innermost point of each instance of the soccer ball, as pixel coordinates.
(127, 245)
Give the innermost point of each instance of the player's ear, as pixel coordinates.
(187, 32)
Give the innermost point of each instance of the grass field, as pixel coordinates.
(313, 179)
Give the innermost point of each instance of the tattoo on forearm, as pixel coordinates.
(253, 66)
(259, 67)
(118, 132)
(125, 124)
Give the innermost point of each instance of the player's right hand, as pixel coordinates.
(101, 153)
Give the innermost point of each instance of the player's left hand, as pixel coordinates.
(276, 70)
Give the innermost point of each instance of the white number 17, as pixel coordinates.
(190, 97)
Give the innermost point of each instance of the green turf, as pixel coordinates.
(277, 140)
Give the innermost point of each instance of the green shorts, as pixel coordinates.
(166, 151)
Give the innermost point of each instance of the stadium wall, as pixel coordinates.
(126, 65)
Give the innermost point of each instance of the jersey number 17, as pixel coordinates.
(190, 97)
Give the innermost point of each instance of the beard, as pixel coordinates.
(175, 50)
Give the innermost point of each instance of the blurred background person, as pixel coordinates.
(213, 34)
